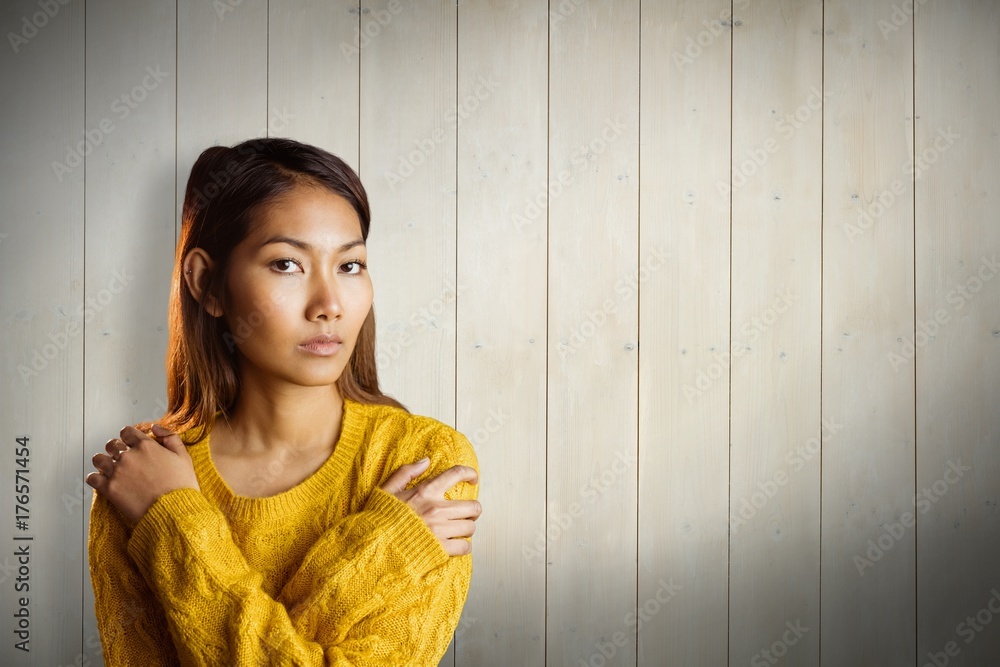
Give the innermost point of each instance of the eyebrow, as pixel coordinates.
(306, 246)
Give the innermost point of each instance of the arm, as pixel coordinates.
(376, 589)
(130, 620)
(410, 615)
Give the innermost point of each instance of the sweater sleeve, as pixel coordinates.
(377, 588)
(130, 620)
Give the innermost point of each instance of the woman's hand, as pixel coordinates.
(138, 469)
(449, 520)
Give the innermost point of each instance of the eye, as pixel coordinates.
(285, 260)
(361, 266)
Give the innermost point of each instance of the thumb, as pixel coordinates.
(398, 480)
(169, 439)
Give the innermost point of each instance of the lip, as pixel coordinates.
(323, 345)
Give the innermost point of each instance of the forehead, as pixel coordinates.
(310, 213)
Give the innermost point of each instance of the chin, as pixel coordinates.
(318, 378)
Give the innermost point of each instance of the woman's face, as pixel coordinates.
(298, 274)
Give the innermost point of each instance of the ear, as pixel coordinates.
(196, 271)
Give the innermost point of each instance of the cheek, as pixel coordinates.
(359, 306)
(363, 303)
(264, 313)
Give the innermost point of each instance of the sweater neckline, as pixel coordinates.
(306, 493)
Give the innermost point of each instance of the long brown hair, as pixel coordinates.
(227, 190)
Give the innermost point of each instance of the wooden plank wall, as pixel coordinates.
(956, 244)
(46, 320)
(709, 286)
(128, 218)
(867, 305)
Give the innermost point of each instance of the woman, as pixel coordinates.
(269, 517)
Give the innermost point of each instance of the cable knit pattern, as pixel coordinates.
(334, 571)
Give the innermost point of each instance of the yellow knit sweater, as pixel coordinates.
(334, 571)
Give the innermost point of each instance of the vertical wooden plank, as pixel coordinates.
(313, 65)
(956, 334)
(502, 89)
(130, 231)
(407, 157)
(42, 293)
(408, 167)
(683, 288)
(775, 370)
(221, 79)
(593, 380)
(867, 597)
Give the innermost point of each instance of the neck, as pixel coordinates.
(290, 417)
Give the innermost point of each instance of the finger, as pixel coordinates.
(457, 528)
(456, 510)
(458, 547)
(114, 447)
(398, 480)
(467, 509)
(97, 480)
(450, 477)
(169, 439)
(132, 436)
(104, 463)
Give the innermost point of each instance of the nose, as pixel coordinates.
(324, 301)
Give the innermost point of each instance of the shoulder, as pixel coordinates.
(398, 437)
(195, 434)
(395, 428)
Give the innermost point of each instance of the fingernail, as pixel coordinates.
(424, 460)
